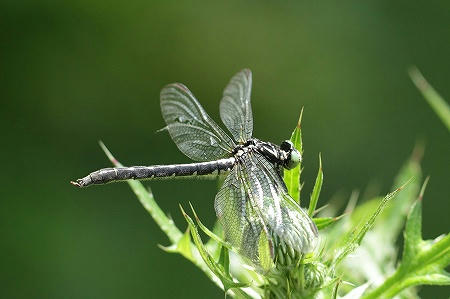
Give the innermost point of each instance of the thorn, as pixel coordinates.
(182, 210)
(299, 123)
(404, 185)
(193, 211)
(320, 209)
(422, 190)
(301, 186)
(342, 216)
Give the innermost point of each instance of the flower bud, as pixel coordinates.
(315, 274)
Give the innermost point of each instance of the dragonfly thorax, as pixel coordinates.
(285, 155)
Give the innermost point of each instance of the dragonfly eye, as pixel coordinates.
(293, 155)
(293, 159)
(287, 146)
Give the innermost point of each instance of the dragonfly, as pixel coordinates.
(253, 205)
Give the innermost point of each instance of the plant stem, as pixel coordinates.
(385, 287)
(436, 251)
(397, 282)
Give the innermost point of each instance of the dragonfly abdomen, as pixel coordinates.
(107, 175)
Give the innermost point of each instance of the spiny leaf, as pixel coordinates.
(183, 247)
(413, 232)
(224, 260)
(209, 233)
(368, 225)
(316, 190)
(394, 217)
(437, 103)
(292, 177)
(219, 249)
(212, 244)
(377, 252)
(366, 208)
(334, 234)
(216, 268)
(358, 234)
(323, 222)
(413, 228)
(423, 262)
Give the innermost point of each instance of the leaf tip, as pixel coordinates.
(424, 186)
(193, 211)
(418, 151)
(404, 185)
(346, 213)
(182, 210)
(299, 123)
(108, 153)
(417, 78)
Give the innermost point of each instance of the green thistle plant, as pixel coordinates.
(367, 231)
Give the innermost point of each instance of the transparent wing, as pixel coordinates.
(253, 207)
(191, 128)
(242, 222)
(282, 215)
(235, 107)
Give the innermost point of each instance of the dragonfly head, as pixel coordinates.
(291, 154)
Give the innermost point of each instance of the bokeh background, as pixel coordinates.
(75, 72)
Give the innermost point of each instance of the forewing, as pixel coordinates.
(235, 107)
(191, 128)
(242, 222)
(283, 217)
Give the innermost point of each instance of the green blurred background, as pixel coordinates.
(75, 72)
